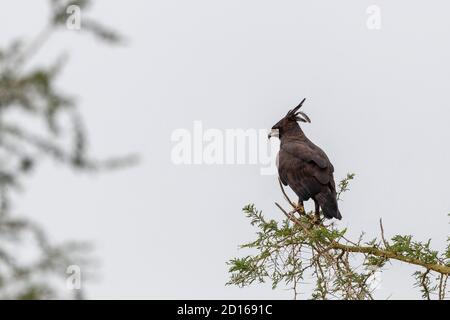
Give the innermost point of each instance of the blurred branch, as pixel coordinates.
(31, 100)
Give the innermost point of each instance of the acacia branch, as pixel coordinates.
(342, 269)
(440, 268)
(382, 253)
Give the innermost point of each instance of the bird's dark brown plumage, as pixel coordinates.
(304, 167)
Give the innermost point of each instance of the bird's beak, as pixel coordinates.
(273, 133)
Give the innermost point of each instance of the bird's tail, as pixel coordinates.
(329, 206)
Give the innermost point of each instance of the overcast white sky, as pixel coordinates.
(378, 100)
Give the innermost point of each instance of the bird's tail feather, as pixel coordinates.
(329, 206)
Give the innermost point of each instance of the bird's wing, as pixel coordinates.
(298, 174)
(308, 151)
(300, 160)
(309, 173)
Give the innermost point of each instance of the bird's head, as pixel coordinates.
(289, 122)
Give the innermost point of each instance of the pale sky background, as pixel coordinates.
(378, 100)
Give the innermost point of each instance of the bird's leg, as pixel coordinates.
(300, 207)
(317, 212)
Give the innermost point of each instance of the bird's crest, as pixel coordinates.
(298, 115)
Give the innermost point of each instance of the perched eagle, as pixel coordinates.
(303, 166)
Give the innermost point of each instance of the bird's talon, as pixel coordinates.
(316, 219)
(299, 208)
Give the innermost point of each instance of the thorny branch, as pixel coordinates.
(341, 268)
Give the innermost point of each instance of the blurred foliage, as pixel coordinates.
(38, 121)
(300, 251)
